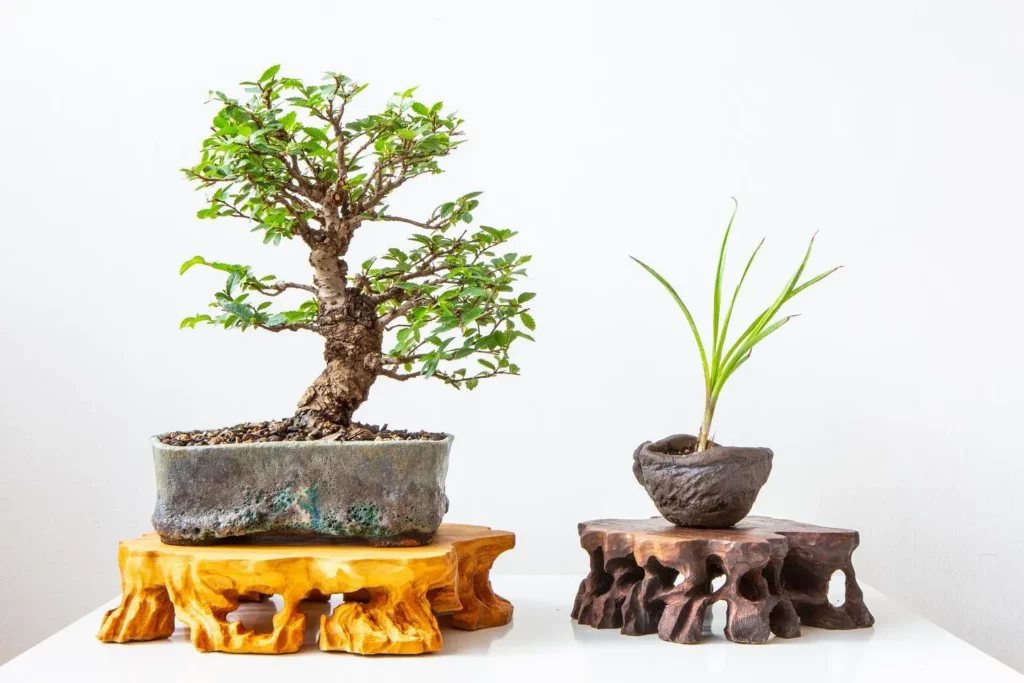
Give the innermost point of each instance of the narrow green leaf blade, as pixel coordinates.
(729, 372)
(769, 313)
(719, 275)
(814, 280)
(686, 312)
(744, 351)
(732, 304)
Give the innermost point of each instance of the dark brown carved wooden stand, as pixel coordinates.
(651, 576)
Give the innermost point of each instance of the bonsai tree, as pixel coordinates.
(717, 362)
(292, 163)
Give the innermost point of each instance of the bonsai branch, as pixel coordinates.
(293, 327)
(429, 225)
(234, 210)
(384, 189)
(397, 312)
(449, 379)
(278, 287)
(400, 376)
(354, 159)
(296, 208)
(402, 360)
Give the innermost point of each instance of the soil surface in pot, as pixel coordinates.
(674, 448)
(289, 430)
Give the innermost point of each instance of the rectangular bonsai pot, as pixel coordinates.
(382, 492)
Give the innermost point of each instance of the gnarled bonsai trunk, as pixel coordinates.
(353, 341)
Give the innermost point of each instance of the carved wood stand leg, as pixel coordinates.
(391, 594)
(481, 607)
(394, 621)
(650, 576)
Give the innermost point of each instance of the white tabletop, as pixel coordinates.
(542, 644)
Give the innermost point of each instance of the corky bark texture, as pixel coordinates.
(353, 339)
(347, 320)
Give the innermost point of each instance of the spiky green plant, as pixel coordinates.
(720, 364)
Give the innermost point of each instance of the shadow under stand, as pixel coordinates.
(391, 594)
(651, 576)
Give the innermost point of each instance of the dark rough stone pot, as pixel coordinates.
(383, 492)
(714, 488)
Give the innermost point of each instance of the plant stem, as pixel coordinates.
(705, 427)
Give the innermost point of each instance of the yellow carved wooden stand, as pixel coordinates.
(391, 594)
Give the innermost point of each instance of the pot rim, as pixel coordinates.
(716, 453)
(157, 443)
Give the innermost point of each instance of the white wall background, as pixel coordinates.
(598, 130)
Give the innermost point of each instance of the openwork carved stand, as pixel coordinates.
(391, 594)
(650, 576)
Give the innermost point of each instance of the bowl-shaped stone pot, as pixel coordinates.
(385, 493)
(714, 488)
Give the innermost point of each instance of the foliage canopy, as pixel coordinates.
(289, 160)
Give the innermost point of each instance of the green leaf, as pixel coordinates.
(689, 318)
(528, 321)
(473, 314)
(814, 280)
(315, 133)
(270, 73)
(526, 296)
(733, 368)
(243, 311)
(769, 313)
(717, 356)
(743, 353)
(288, 121)
(192, 321)
(719, 274)
(195, 260)
(277, 320)
(420, 109)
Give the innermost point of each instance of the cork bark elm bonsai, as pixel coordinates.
(692, 480)
(293, 163)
